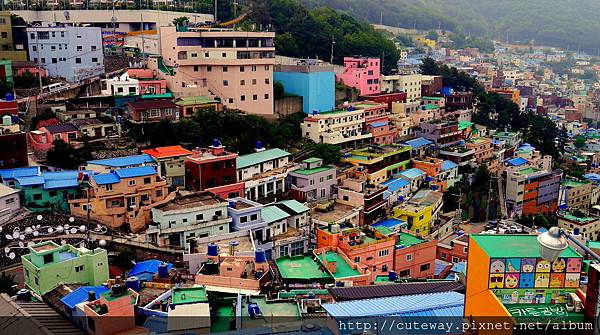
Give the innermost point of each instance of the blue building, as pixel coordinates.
(314, 83)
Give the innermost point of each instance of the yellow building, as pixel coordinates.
(417, 217)
(7, 51)
(380, 163)
(172, 163)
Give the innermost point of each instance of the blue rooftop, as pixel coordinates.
(389, 223)
(412, 173)
(124, 161)
(395, 184)
(52, 180)
(81, 295)
(448, 165)
(149, 267)
(441, 266)
(379, 124)
(20, 172)
(418, 142)
(418, 304)
(136, 172)
(106, 178)
(518, 161)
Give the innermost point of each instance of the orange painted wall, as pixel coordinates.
(326, 239)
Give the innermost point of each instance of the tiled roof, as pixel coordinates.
(61, 128)
(380, 291)
(170, 151)
(260, 157)
(393, 306)
(418, 142)
(81, 294)
(123, 161)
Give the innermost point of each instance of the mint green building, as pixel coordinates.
(49, 190)
(48, 265)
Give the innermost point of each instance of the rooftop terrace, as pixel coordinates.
(301, 267)
(512, 245)
(343, 269)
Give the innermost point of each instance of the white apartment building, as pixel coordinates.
(409, 83)
(337, 127)
(74, 53)
(121, 85)
(264, 172)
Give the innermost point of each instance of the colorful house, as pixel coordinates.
(122, 197)
(380, 162)
(113, 312)
(152, 110)
(314, 181)
(363, 74)
(419, 211)
(109, 164)
(172, 163)
(188, 106)
(48, 265)
(313, 81)
(43, 138)
(507, 278)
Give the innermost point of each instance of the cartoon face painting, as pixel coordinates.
(513, 265)
(511, 280)
(559, 265)
(528, 264)
(496, 280)
(574, 265)
(497, 266)
(542, 266)
(572, 280)
(527, 280)
(542, 279)
(557, 280)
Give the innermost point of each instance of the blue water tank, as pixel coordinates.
(259, 145)
(258, 274)
(213, 250)
(9, 97)
(392, 276)
(576, 231)
(260, 255)
(216, 143)
(163, 270)
(134, 283)
(254, 311)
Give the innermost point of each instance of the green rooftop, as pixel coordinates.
(408, 240)
(580, 219)
(431, 98)
(295, 293)
(528, 170)
(307, 172)
(295, 206)
(188, 295)
(573, 183)
(311, 160)
(429, 107)
(464, 125)
(301, 267)
(343, 269)
(195, 100)
(500, 246)
(260, 157)
(272, 214)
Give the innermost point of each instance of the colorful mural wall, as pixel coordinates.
(521, 273)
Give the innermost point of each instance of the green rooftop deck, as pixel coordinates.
(272, 311)
(343, 269)
(574, 183)
(295, 293)
(308, 172)
(571, 217)
(408, 240)
(188, 295)
(302, 268)
(500, 246)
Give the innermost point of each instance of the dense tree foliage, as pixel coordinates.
(497, 112)
(63, 155)
(563, 23)
(310, 33)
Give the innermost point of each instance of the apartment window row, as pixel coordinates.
(243, 98)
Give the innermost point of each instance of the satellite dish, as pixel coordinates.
(28, 230)
(22, 237)
(63, 242)
(12, 255)
(16, 234)
(50, 230)
(59, 229)
(39, 217)
(82, 228)
(71, 219)
(6, 250)
(102, 243)
(36, 233)
(30, 243)
(73, 230)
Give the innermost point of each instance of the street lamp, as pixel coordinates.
(554, 241)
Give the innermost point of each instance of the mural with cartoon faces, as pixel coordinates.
(559, 265)
(542, 266)
(513, 265)
(574, 265)
(496, 281)
(572, 280)
(527, 280)
(557, 280)
(528, 264)
(511, 280)
(542, 279)
(497, 266)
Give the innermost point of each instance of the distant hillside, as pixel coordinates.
(564, 23)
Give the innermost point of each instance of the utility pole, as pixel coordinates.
(216, 5)
(332, 43)
(381, 18)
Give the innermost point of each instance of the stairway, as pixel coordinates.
(49, 318)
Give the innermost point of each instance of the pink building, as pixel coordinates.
(363, 74)
(235, 66)
(148, 81)
(414, 258)
(377, 122)
(43, 138)
(113, 313)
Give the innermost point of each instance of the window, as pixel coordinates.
(53, 48)
(243, 219)
(34, 48)
(154, 112)
(95, 60)
(79, 268)
(196, 68)
(242, 82)
(62, 34)
(409, 257)
(131, 182)
(225, 69)
(255, 97)
(242, 69)
(37, 197)
(93, 48)
(54, 61)
(52, 193)
(405, 273)
(225, 83)
(253, 81)
(253, 217)
(9, 201)
(48, 258)
(443, 255)
(267, 81)
(78, 60)
(43, 60)
(425, 267)
(455, 259)
(253, 68)
(79, 48)
(159, 193)
(243, 98)
(147, 180)
(267, 67)
(224, 54)
(266, 95)
(384, 252)
(356, 259)
(209, 69)
(199, 217)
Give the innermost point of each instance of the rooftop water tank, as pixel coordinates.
(9, 97)
(261, 256)
(163, 270)
(134, 283)
(392, 276)
(216, 143)
(6, 120)
(213, 250)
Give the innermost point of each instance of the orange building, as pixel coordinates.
(123, 196)
(508, 281)
(511, 94)
(113, 313)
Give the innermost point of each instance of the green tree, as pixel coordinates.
(278, 90)
(7, 283)
(579, 142)
(124, 259)
(432, 35)
(181, 21)
(63, 155)
(329, 153)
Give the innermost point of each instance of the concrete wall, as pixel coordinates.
(288, 105)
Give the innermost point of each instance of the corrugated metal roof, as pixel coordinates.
(412, 173)
(106, 178)
(418, 142)
(124, 161)
(81, 294)
(379, 124)
(380, 291)
(272, 214)
(294, 206)
(395, 184)
(29, 181)
(139, 171)
(392, 306)
(60, 183)
(447, 165)
(260, 157)
(518, 161)
(20, 172)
